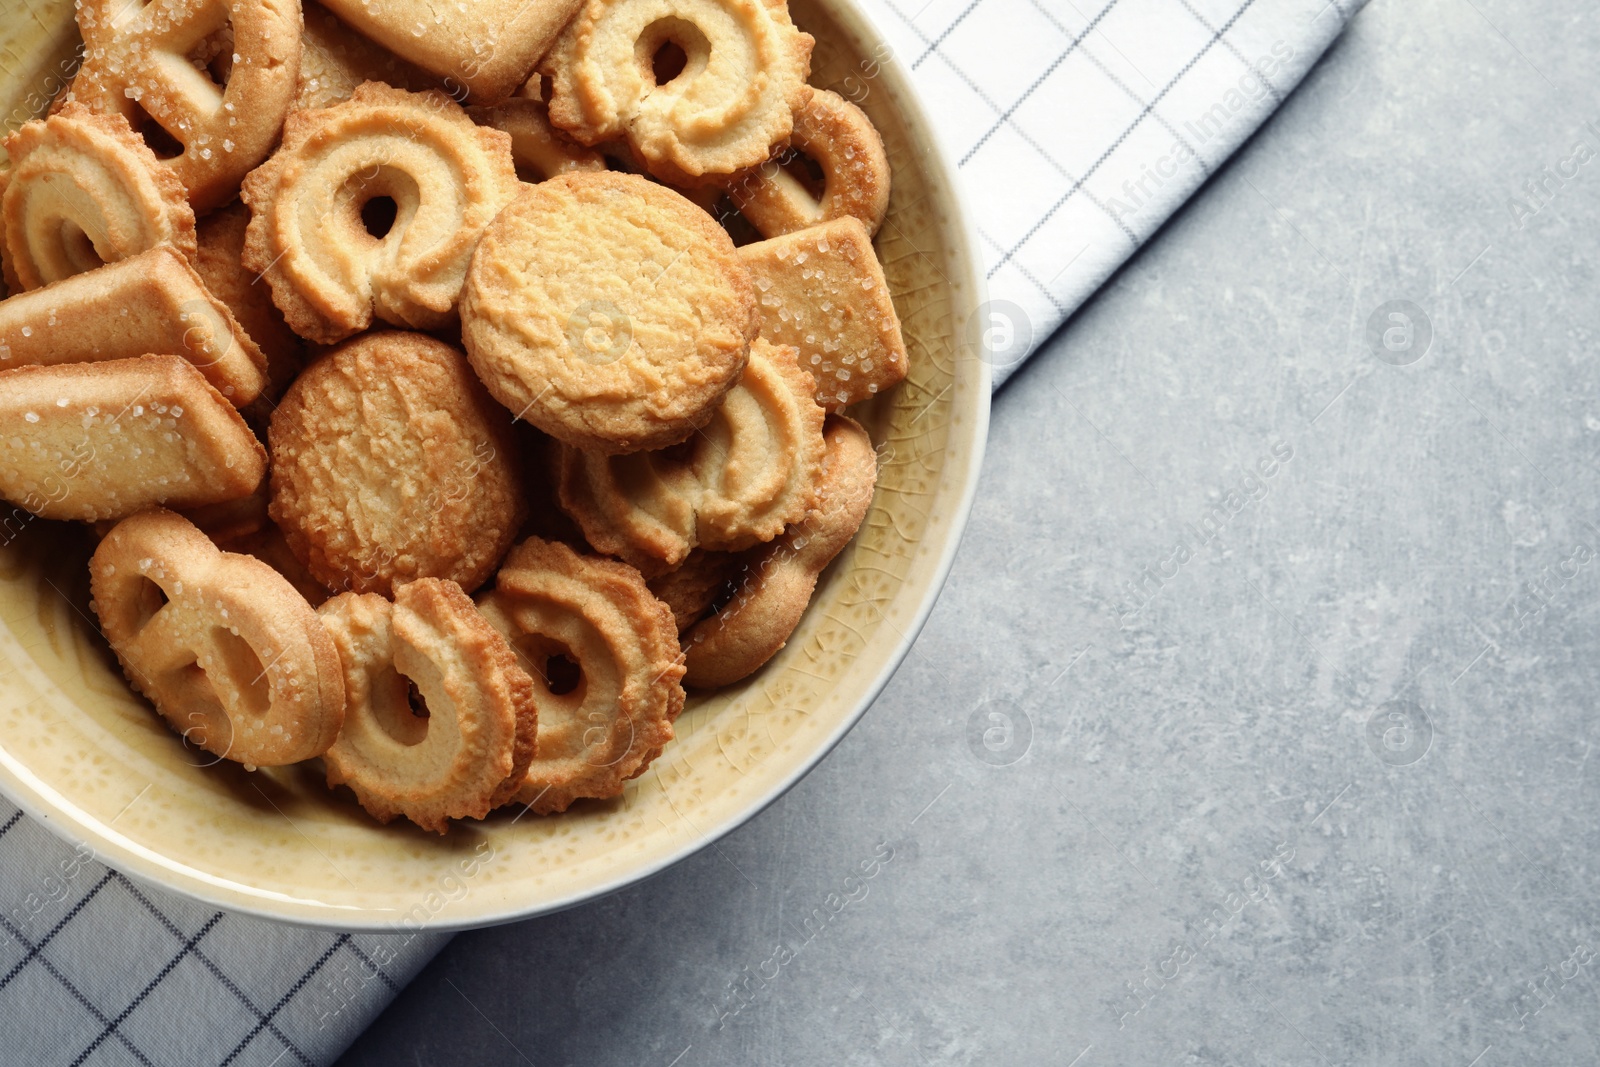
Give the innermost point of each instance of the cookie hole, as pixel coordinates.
(241, 672)
(668, 62)
(213, 56)
(150, 599)
(399, 708)
(670, 48)
(78, 247)
(416, 701)
(805, 170)
(562, 675)
(378, 215)
(553, 664)
(162, 143)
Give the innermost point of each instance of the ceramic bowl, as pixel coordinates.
(81, 752)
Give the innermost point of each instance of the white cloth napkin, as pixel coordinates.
(1079, 127)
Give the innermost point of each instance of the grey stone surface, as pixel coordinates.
(1324, 798)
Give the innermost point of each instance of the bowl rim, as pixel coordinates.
(156, 870)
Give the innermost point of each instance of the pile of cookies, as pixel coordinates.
(447, 392)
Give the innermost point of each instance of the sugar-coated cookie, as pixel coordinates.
(484, 50)
(390, 462)
(841, 140)
(153, 302)
(92, 441)
(608, 311)
(335, 60)
(822, 290)
(220, 96)
(232, 657)
(440, 720)
(606, 655)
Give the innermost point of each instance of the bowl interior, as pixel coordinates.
(78, 748)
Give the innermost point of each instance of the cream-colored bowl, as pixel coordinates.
(81, 752)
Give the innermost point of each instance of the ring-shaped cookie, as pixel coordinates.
(780, 577)
(232, 657)
(137, 60)
(84, 191)
(464, 751)
(608, 651)
(842, 141)
(750, 472)
(330, 275)
(743, 75)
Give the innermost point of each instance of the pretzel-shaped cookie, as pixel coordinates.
(467, 749)
(757, 622)
(137, 58)
(84, 190)
(744, 73)
(840, 138)
(447, 177)
(750, 472)
(232, 657)
(593, 617)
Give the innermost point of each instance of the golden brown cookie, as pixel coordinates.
(704, 580)
(607, 654)
(84, 190)
(232, 657)
(538, 150)
(335, 60)
(485, 49)
(780, 577)
(823, 291)
(749, 473)
(837, 136)
(439, 718)
(444, 177)
(608, 311)
(220, 264)
(270, 546)
(215, 76)
(390, 463)
(93, 441)
(699, 88)
(153, 302)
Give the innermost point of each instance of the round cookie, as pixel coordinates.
(391, 463)
(608, 311)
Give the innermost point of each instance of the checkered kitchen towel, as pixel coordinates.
(1079, 126)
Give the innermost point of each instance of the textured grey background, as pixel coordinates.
(1207, 850)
